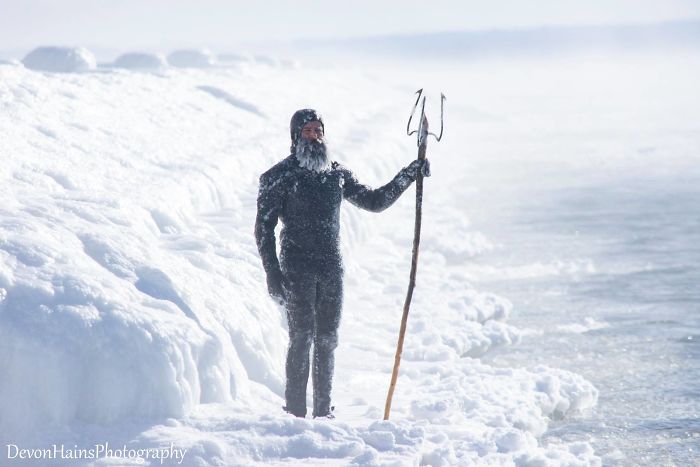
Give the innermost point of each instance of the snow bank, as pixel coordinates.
(200, 58)
(132, 299)
(60, 59)
(266, 60)
(473, 415)
(234, 58)
(104, 316)
(140, 61)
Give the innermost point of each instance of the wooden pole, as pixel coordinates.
(414, 265)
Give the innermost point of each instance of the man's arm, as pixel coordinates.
(269, 205)
(377, 200)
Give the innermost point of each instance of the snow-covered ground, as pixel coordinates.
(134, 310)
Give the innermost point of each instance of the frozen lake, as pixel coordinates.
(598, 240)
(630, 323)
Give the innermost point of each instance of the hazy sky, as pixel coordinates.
(162, 24)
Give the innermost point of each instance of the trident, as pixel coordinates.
(422, 140)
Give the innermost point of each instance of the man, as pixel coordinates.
(304, 191)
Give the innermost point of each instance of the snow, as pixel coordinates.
(140, 60)
(192, 58)
(133, 307)
(589, 324)
(60, 59)
(265, 59)
(232, 57)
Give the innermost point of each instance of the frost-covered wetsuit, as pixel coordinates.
(310, 265)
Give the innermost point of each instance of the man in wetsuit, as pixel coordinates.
(304, 191)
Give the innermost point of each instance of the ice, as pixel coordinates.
(234, 58)
(132, 299)
(266, 60)
(589, 324)
(192, 58)
(140, 61)
(60, 59)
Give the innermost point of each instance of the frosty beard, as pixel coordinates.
(312, 155)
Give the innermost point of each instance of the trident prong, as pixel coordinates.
(422, 126)
(442, 117)
(415, 106)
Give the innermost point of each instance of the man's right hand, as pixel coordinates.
(421, 166)
(275, 286)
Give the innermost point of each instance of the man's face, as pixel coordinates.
(312, 131)
(311, 150)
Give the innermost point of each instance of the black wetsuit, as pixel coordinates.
(310, 265)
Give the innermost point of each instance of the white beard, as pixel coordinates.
(312, 155)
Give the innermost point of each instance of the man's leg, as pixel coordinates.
(329, 303)
(301, 297)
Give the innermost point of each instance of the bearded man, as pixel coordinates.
(304, 191)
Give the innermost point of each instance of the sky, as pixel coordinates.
(163, 24)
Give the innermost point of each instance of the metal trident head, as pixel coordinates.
(422, 129)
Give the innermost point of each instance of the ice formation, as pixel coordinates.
(132, 299)
(140, 60)
(194, 58)
(60, 59)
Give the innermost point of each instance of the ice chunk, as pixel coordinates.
(234, 58)
(60, 59)
(139, 60)
(195, 58)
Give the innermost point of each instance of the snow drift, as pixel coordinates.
(232, 57)
(140, 60)
(60, 59)
(131, 291)
(195, 58)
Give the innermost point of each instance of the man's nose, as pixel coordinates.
(311, 135)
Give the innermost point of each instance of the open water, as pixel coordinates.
(586, 177)
(622, 309)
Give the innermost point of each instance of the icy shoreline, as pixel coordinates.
(132, 293)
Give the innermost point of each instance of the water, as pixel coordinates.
(621, 308)
(586, 174)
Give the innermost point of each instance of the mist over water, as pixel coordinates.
(584, 170)
(629, 321)
(591, 195)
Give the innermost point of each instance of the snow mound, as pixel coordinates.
(194, 58)
(289, 63)
(234, 58)
(474, 415)
(140, 61)
(60, 59)
(266, 60)
(102, 318)
(132, 299)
